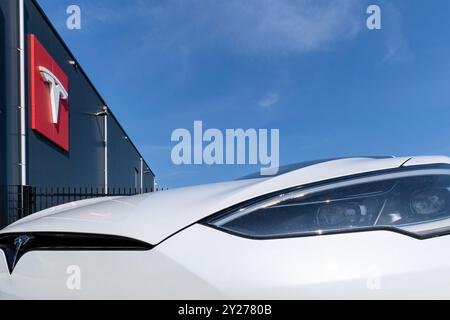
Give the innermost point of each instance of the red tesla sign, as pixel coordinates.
(49, 96)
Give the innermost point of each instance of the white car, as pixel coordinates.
(356, 228)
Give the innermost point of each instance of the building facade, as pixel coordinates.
(56, 131)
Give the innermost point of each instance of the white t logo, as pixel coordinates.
(57, 92)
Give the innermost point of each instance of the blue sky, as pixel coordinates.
(310, 68)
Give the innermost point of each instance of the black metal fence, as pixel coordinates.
(26, 200)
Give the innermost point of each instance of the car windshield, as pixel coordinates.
(300, 165)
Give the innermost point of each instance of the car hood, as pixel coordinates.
(156, 216)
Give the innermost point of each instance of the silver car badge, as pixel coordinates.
(19, 242)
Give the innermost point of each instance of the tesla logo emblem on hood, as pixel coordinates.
(13, 247)
(19, 242)
(57, 92)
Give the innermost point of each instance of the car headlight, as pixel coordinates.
(414, 202)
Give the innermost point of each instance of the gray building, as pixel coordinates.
(59, 141)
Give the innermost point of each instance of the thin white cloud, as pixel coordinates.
(255, 26)
(269, 100)
(397, 45)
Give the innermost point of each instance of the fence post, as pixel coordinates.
(26, 201)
